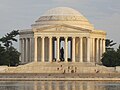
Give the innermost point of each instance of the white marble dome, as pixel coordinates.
(62, 11)
(63, 15)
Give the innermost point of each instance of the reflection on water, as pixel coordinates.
(58, 85)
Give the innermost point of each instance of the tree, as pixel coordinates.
(8, 54)
(13, 56)
(9, 37)
(118, 56)
(109, 58)
(2, 53)
(109, 43)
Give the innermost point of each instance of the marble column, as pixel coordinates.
(73, 85)
(23, 51)
(35, 85)
(81, 86)
(30, 50)
(26, 50)
(50, 49)
(66, 85)
(93, 49)
(43, 53)
(73, 49)
(53, 48)
(104, 45)
(101, 47)
(97, 50)
(50, 85)
(20, 48)
(35, 46)
(58, 48)
(42, 85)
(57, 86)
(81, 49)
(88, 49)
(66, 49)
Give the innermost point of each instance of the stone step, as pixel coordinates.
(57, 68)
(56, 64)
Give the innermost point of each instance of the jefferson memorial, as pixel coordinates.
(61, 42)
(62, 34)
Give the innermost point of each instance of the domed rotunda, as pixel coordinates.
(63, 15)
(62, 34)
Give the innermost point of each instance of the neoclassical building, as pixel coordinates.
(62, 34)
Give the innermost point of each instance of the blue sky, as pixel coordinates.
(20, 14)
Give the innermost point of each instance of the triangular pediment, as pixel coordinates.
(61, 28)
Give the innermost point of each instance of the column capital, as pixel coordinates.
(57, 37)
(30, 37)
(73, 37)
(80, 37)
(103, 39)
(42, 37)
(50, 37)
(35, 36)
(88, 37)
(65, 36)
(92, 38)
(26, 38)
(98, 38)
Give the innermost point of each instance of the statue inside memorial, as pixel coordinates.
(62, 54)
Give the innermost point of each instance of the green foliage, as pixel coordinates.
(8, 54)
(9, 37)
(2, 53)
(109, 43)
(13, 55)
(111, 58)
(118, 55)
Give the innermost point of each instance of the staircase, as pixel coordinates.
(59, 67)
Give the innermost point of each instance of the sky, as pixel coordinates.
(20, 14)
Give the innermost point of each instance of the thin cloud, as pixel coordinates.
(70, 1)
(104, 14)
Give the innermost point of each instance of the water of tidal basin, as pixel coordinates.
(58, 85)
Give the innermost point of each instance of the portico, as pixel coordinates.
(47, 49)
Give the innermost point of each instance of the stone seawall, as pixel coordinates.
(59, 77)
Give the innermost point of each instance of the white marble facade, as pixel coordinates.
(62, 27)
